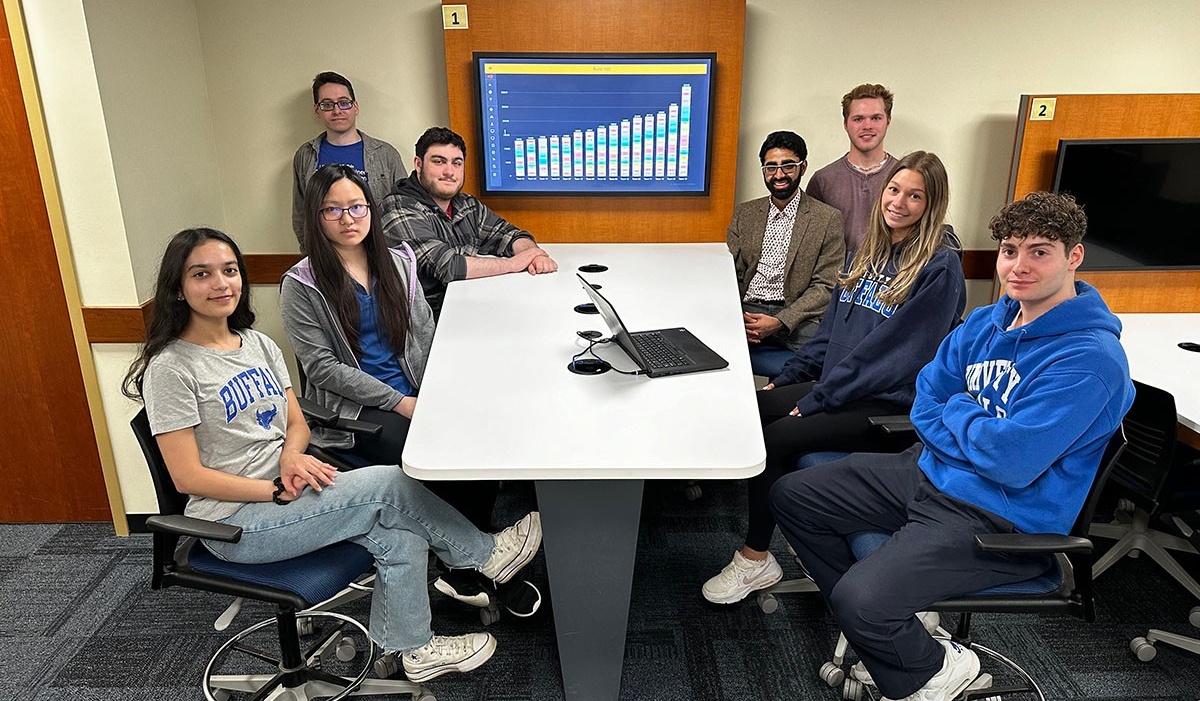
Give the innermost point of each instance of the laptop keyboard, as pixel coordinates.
(657, 351)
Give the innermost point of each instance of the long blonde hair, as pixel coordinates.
(922, 242)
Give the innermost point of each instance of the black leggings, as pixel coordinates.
(788, 437)
(473, 499)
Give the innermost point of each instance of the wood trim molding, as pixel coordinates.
(268, 268)
(128, 324)
(979, 263)
(117, 324)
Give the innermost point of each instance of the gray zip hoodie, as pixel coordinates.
(333, 376)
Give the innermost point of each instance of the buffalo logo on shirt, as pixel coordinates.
(246, 388)
(866, 294)
(264, 417)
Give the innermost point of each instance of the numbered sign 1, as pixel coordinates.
(1042, 109)
(454, 16)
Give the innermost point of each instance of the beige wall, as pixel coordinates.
(261, 58)
(156, 110)
(957, 68)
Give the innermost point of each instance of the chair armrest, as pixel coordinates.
(362, 428)
(1033, 543)
(178, 524)
(321, 416)
(896, 423)
(316, 413)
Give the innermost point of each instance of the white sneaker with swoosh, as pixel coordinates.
(740, 577)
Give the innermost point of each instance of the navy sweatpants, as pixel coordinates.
(931, 556)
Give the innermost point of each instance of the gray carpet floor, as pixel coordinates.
(78, 620)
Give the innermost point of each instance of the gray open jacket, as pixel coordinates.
(334, 378)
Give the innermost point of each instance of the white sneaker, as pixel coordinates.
(959, 669)
(515, 547)
(445, 654)
(740, 577)
(930, 620)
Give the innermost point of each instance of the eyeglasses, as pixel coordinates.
(787, 168)
(328, 105)
(358, 211)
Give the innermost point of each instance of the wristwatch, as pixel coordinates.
(279, 490)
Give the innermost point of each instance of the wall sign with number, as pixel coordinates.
(454, 16)
(1042, 109)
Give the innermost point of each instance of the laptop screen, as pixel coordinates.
(609, 313)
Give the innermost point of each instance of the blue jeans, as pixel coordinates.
(767, 358)
(387, 512)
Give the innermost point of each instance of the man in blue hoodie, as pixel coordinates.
(1014, 414)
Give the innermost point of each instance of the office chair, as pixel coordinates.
(1065, 588)
(299, 588)
(1143, 646)
(1156, 478)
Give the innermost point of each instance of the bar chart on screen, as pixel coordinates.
(591, 124)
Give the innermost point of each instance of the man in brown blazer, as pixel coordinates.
(787, 249)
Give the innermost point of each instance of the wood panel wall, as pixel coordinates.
(1110, 117)
(48, 447)
(609, 26)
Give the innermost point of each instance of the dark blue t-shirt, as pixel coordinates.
(379, 359)
(350, 155)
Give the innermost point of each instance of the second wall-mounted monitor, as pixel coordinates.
(1141, 197)
(595, 124)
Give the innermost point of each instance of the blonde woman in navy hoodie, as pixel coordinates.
(901, 295)
(1014, 413)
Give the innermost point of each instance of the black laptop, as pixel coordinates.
(658, 353)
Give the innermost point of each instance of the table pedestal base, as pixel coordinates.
(590, 530)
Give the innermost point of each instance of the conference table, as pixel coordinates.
(498, 402)
(1151, 343)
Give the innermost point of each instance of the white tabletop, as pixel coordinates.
(497, 400)
(1151, 342)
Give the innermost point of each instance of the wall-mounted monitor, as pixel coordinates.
(1141, 197)
(595, 124)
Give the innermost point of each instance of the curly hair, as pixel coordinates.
(866, 90)
(1049, 215)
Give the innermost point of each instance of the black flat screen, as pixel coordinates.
(1142, 199)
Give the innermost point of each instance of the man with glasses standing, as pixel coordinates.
(787, 250)
(376, 161)
(852, 184)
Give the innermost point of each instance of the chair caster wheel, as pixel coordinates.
(832, 675)
(221, 694)
(767, 603)
(304, 626)
(692, 492)
(853, 690)
(387, 665)
(1143, 649)
(425, 697)
(489, 615)
(1194, 616)
(346, 649)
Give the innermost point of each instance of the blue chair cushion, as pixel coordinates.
(864, 543)
(315, 576)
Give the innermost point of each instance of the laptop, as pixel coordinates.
(658, 353)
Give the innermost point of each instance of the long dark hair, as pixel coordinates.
(331, 277)
(170, 314)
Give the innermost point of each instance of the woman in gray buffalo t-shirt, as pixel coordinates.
(221, 407)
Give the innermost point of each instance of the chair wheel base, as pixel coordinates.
(767, 603)
(832, 675)
(1143, 649)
